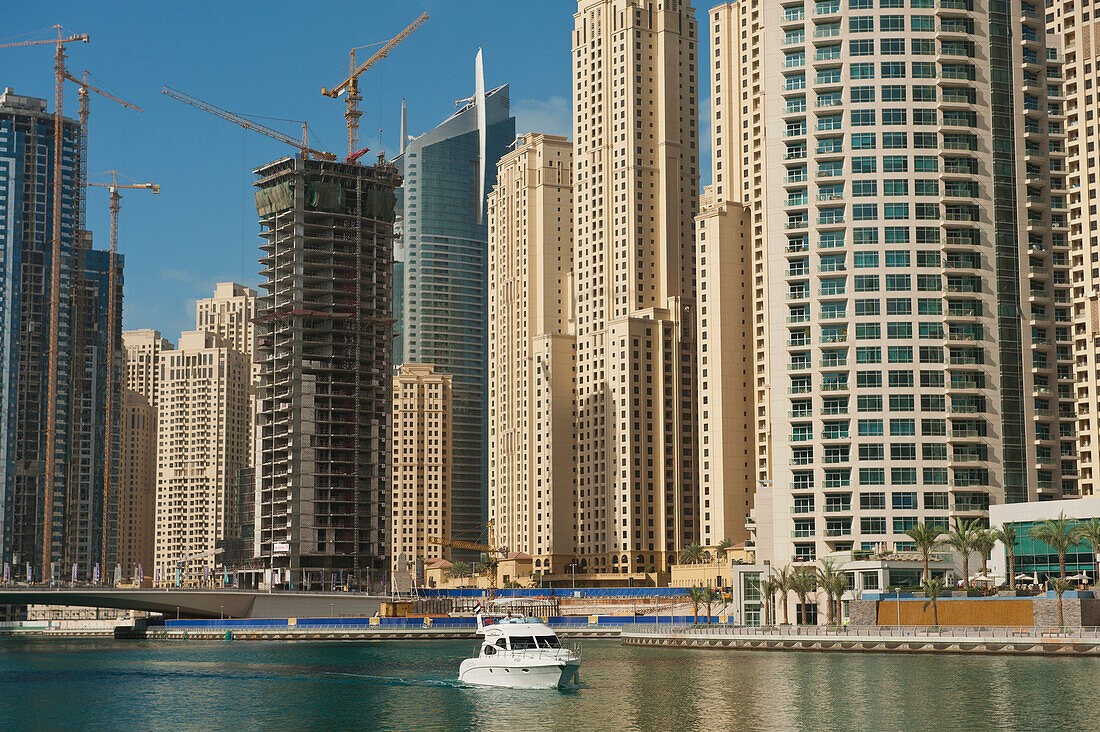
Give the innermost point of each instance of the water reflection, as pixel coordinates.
(413, 686)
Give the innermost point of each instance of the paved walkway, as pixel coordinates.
(989, 640)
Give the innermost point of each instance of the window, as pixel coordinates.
(863, 118)
(872, 452)
(898, 282)
(872, 501)
(869, 402)
(868, 331)
(892, 46)
(870, 427)
(861, 24)
(865, 259)
(863, 94)
(893, 93)
(864, 165)
(865, 235)
(897, 234)
(894, 117)
(864, 188)
(901, 402)
(872, 525)
(893, 70)
(864, 212)
(894, 140)
(859, 48)
(869, 379)
(866, 308)
(895, 187)
(901, 380)
(862, 71)
(865, 283)
(899, 306)
(891, 23)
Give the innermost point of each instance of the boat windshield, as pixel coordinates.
(548, 641)
(521, 642)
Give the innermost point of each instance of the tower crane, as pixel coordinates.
(489, 549)
(115, 201)
(351, 84)
(303, 147)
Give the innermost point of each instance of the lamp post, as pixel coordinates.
(332, 609)
(221, 612)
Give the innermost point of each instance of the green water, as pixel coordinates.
(139, 685)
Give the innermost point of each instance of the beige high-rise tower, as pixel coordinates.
(420, 505)
(635, 183)
(202, 442)
(1071, 29)
(902, 167)
(532, 352)
(229, 313)
(137, 479)
(143, 349)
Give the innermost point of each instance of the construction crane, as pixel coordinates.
(351, 84)
(489, 550)
(60, 74)
(113, 347)
(303, 146)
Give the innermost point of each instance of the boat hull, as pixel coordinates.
(531, 675)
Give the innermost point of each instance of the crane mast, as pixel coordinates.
(351, 84)
(115, 203)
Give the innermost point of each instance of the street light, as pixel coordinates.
(332, 609)
(221, 612)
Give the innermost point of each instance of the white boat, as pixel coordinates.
(520, 653)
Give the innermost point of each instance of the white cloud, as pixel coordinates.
(553, 116)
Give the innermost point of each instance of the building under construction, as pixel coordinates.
(70, 512)
(323, 342)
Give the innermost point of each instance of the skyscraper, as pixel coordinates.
(1070, 33)
(87, 383)
(323, 340)
(532, 352)
(905, 263)
(422, 462)
(202, 445)
(137, 479)
(635, 195)
(442, 245)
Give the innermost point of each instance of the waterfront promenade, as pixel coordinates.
(873, 639)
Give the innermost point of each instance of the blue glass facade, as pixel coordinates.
(443, 255)
(77, 512)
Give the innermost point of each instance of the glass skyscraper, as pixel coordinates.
(442, 253)
(85, 383)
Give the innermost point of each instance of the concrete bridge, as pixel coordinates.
(202, 603)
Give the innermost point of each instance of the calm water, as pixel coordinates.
(135, 685)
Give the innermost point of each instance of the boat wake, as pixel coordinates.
(397, 681)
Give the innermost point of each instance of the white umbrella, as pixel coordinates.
(1079, 577)
(983, 577)
(1028, 577)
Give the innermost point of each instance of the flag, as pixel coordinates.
(140, 575)
(74, 573)
(236, 579)
(95, 575)
(7, 572)
(206, 574)
(156, 576)
(334, 583)
(30, 572)
(225, 577)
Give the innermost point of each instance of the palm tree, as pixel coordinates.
(768, 588)
(783, 578)
(961, 539)
(459, 569)
(833, 582)
(1059, 534)
(1090, 531)
(1060, 586)
(804, 584)
(933, 588)
(695, 595)
(709, 598)
(926, 538)
(692, 554)
(1007, 536)
(723, 547)
(984, 541)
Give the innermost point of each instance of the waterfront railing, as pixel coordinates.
(874, 631)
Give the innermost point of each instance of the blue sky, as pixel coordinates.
(264, 58)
